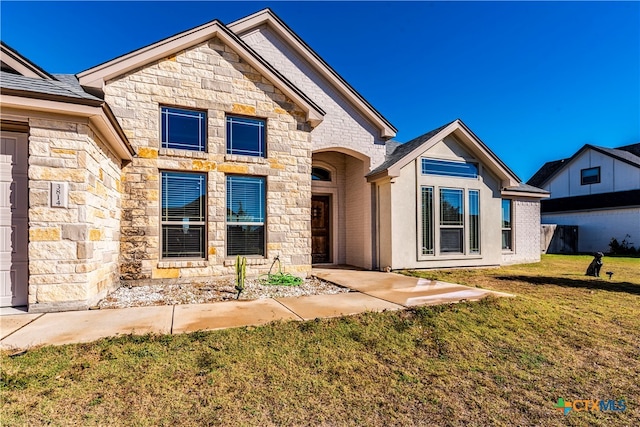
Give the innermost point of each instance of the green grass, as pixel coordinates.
(495, 362)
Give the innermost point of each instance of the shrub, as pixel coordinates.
(625, 247)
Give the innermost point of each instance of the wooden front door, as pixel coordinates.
(320, 229)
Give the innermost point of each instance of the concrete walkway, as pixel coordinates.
(371, 291)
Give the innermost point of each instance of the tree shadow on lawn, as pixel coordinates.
(603, 284)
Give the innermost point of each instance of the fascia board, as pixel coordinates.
(95, 114)
(480, 150)
(394, 170)
(471, 143)
(97, 76)
(510, 193)
(22, 65)
(266, 17)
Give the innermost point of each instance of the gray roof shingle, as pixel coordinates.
(65, 85)
(402, 150)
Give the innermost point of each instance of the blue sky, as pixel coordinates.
(534, 80)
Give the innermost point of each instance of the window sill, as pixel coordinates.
(245, 159)
(230, 262)
(172, 152)
(448, 257)
(183, 264)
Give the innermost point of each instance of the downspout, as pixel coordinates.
(375, 233)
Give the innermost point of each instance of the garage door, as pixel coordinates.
(14, 232)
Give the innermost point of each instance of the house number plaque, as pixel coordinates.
(59, 194)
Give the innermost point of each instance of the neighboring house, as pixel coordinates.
(596, 189)
(227, 140)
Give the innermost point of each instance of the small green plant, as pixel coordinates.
(241, 272)
(279, 278)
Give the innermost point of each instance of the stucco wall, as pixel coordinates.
(596, 228)
(406, 213)
(73, 251)
(211, 77)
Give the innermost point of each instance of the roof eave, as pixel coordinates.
(529, 194)
(97, 76)
(507, 177)
(97, 114)
(22, 65)
(267, 17)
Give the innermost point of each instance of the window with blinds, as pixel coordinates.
(427, 220)
(451, 220)
(183, 129)
(245, 215)
(474, 221)
(183, 215)
(246, 136)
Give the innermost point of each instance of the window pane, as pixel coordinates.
(183, 129)
(474, 221)
(506, 213)
(447, 168)
(245, 136)
(183, 197)
(245, 240)
(245, 199)
(451, 207)
(506, 239)
(451, 240)
(506, 224)
(590, 176)
(183, 241)
(320, 174)
(427, 221)
(245, 215)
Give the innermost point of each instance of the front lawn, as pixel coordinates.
(496, 362)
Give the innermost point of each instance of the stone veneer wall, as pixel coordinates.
(211, 77)
(73, 252)
(526, 231)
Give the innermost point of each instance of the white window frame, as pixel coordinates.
(185, 223)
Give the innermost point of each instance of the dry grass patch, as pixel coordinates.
(495, 362)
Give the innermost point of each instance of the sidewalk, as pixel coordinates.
(371, 291)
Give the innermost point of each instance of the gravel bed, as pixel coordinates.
(196, 291)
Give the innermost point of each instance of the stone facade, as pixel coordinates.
(211, 77)
(73, 250)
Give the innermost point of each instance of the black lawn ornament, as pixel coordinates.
(596, 265)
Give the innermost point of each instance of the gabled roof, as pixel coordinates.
(267, 17)
(545, 171)
(31, 89)
(408, 151)
(13, 62)
(629, 154)
(97, 76)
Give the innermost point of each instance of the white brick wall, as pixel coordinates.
(343, 125)
(526, 231)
